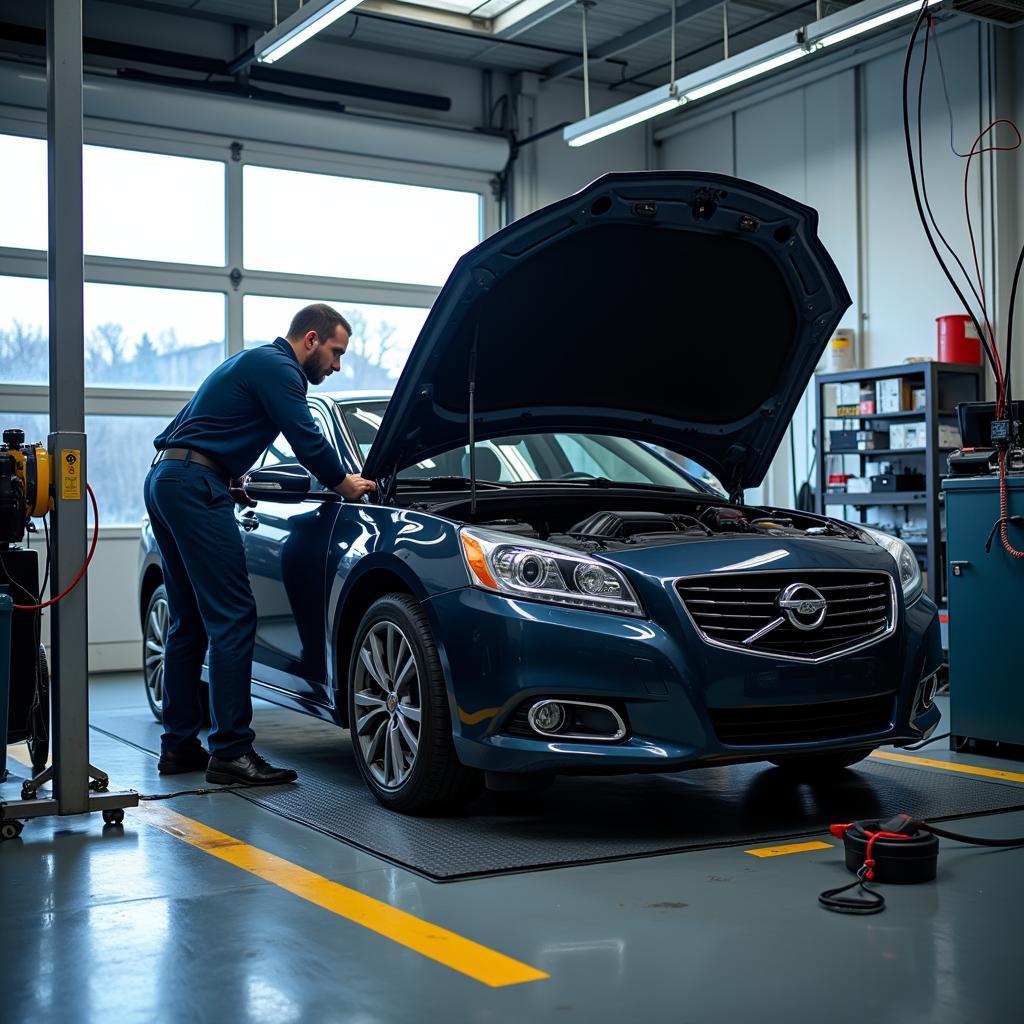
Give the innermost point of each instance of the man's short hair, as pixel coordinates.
(320, 318)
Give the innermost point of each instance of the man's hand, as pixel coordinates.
(353, 487)
(237, 492)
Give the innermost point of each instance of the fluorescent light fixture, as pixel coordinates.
(763, 59)
(762, 68)
(870, 24)
(305, 23)
(619, 123)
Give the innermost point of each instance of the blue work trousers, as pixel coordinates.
(210, 603)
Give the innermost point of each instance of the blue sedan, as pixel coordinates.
(539, 588)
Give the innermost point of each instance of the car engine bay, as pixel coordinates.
(620, 518)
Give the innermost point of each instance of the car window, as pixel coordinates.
(532, 456)
(615, 458)
(281, 451)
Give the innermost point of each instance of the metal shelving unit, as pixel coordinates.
(945, 385)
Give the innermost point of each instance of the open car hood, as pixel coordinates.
(680, 308)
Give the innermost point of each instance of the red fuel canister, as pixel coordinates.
(958, 339)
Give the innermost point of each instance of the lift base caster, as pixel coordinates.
(10, 829)
(113, 817)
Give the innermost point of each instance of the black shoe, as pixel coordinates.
(249, 768)
(179, 762)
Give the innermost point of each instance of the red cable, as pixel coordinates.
(1003, 507)
(81, 572)
(869, 861)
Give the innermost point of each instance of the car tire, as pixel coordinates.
(154, 640)
(814, 765)
(409, 765)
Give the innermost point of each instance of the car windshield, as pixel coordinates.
(532, 457)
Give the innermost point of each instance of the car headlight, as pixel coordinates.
(906, 562)
(545, 572)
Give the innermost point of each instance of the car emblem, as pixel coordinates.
(801, 606)
(392, 702)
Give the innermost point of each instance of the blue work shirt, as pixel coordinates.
(243, 405)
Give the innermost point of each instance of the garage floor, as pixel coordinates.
(212, 908)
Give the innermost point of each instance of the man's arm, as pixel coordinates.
(284, 399)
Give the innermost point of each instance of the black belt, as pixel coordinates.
(191, 455)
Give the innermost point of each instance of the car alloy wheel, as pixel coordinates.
(154, 643)
(398, 712)
(388, 708)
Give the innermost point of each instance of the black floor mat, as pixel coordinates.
(578, 820)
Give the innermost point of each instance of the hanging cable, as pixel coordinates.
(975, 151)
(920, 163)
(725, 29)
(917, 189)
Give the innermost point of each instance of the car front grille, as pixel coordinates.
(802, 723)
(730, 609)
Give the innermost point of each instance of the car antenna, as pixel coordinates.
(472, 428)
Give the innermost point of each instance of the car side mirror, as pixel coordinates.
(278, 483)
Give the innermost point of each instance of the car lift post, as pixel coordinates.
(73, 792)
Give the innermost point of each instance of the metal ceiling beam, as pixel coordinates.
(642, 34)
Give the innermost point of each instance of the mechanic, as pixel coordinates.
(190, 494)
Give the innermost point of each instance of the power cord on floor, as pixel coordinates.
(901, 849)
(925, 743)
(199, 792)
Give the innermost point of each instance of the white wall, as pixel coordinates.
(549, 169)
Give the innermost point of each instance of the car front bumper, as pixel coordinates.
(498, 652)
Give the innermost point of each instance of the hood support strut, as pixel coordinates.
(472, 425)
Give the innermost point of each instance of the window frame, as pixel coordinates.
(127, 400)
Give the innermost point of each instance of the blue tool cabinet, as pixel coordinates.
(986, 612)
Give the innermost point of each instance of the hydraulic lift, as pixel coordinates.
(77, 787)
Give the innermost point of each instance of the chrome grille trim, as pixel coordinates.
(714, 619)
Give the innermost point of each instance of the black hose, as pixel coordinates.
(908, 140)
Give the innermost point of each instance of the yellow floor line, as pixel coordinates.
(949, 766)
(454, 951)
(781, 851)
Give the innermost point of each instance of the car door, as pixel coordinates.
(286, 553)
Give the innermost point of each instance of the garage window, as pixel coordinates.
(135, 337)
(354, 228)
(173, 285)
(382, 337)
(136, 205)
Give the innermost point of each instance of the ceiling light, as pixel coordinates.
(305, 23)
(847, 24)
(870, 24)
(617, 124)
(761, 68)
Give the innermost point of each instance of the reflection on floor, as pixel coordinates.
(135, 923)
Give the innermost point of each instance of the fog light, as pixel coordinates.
(548, 716)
